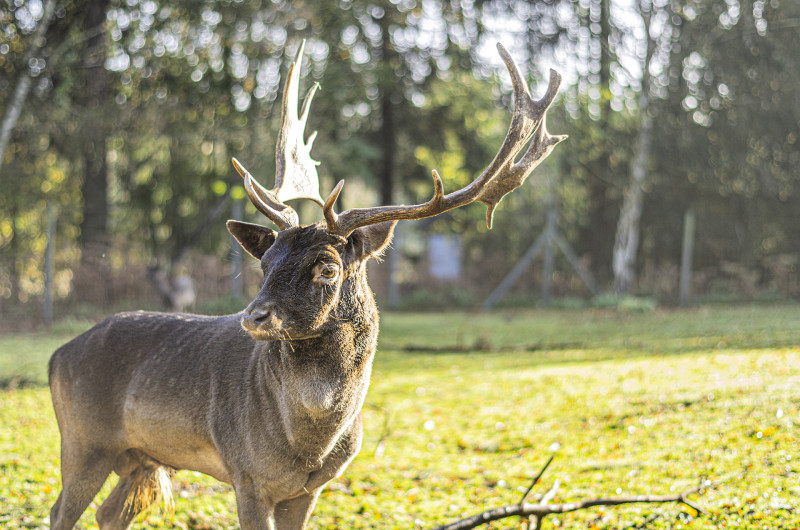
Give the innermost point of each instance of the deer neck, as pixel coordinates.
(321, 383)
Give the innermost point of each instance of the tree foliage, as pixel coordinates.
(406, 87)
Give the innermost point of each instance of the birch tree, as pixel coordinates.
(24, 81)
(653, 50)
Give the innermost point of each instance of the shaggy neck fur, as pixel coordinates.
(323, 380)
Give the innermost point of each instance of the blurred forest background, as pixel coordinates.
(120, 118)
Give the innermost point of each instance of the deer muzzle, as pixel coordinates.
(262, 320)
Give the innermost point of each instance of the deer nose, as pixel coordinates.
(261, 315)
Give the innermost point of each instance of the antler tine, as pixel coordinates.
(295, 171)
(502, 176)
(331, 218)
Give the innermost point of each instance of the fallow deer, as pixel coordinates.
(269, 399)
(177, 292)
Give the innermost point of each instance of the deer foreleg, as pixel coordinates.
(292, 514)
(255, 511)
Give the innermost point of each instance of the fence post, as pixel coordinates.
(237, 286)
(49, 264)
(393, 265)
(549, 253)
(686, 256)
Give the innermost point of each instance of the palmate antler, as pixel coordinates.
(501, 177)
(297, 171)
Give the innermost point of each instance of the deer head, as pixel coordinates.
(309, 274)
(309, 271)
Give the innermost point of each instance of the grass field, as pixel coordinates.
(465, 407)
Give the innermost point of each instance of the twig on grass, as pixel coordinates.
(534, 521)
(550, 495)
(536, 479)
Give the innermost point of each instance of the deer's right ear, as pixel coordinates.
(255, 239)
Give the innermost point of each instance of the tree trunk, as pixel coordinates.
(596, 238)
(626, 242)
(387, 129)
(92, 282)
(388, 142)
(95, 93)
(605, 62)
(24, 82)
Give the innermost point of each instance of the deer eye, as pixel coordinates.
(326, 272)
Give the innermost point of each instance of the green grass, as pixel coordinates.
(644, 403)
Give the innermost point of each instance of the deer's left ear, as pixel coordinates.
(255, 239)
(371, 241)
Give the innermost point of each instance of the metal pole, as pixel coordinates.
(512, 277)
(237, 286)
(686, 256)
(393, 265)
(584, 273)
(49, 264)
(549, 253)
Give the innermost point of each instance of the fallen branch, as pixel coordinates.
(538, 511)
(541, 510)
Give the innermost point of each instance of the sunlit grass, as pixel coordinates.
(641, 403)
